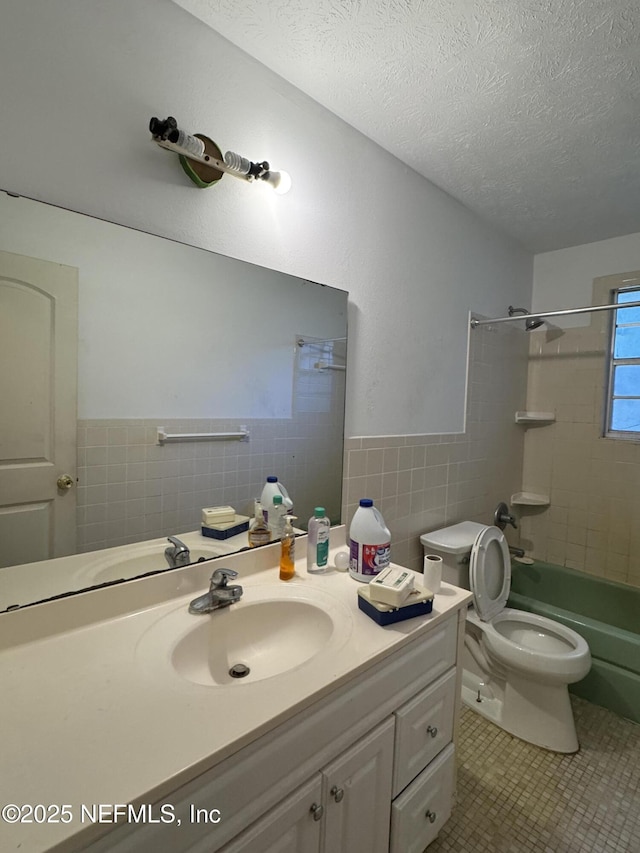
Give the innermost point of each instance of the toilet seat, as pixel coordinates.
(490, 573)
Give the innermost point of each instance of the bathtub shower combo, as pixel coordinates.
(605, 613)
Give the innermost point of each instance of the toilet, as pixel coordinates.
(517, 666)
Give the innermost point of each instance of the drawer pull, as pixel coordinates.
(337, 793)
(432, 730)
(317, 810)
(431, 815)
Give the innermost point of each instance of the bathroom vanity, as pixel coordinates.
(126, 731)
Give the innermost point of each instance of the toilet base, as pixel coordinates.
(537, 713)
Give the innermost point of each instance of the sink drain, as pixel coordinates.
(239, 670)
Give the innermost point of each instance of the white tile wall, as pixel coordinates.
(593, 482)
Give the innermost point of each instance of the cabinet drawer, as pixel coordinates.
(420, 812)
(424, 726)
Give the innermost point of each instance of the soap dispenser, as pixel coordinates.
(288, 550)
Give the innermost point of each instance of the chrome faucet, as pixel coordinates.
(177, 554)
(220, 595)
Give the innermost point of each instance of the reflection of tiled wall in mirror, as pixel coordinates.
(131, 488)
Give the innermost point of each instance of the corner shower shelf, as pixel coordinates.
(529, 499)
(535, 417)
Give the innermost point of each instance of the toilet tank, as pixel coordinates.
(454, 545)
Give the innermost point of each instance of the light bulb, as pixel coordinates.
(280, 181)
(284, 185)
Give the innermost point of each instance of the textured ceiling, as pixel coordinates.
(527, 111)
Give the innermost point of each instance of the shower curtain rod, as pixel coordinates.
(564, 312)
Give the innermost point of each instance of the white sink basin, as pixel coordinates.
(271, 631)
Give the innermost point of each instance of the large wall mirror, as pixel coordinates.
(111, 339)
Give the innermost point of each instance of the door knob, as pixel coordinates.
(64, 482)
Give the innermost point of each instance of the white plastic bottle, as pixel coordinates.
(318, 542)
(277, 515)
(369, 542)
(273, 487)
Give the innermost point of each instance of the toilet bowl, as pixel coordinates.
(539, 646)
(517, 665)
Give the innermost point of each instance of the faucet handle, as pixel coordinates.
(502, 517)
(220, 577)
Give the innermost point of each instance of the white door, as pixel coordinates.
(38, 408)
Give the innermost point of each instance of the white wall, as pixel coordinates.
(81, 78)
(564, 278)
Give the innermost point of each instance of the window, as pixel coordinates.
(623, 403)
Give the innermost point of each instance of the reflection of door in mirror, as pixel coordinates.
(38, 354)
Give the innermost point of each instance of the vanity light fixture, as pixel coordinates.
(203, 162)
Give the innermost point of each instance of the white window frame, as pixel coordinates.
(626, 435)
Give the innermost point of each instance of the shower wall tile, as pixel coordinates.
(593, 482)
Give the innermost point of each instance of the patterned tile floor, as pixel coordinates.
(517, 798)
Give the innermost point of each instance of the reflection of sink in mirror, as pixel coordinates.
(138, 560)
(269, 632)
(139, 564)
(83, 571)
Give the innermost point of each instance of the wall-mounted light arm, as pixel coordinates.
(200, 149)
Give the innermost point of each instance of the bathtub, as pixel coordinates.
(606, 614)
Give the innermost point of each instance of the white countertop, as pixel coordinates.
(87, 719)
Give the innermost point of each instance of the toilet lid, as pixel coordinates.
(490, 573)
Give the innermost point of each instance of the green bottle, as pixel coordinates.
(318, 532)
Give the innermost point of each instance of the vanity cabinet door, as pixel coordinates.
(356, 793)
(291, 827)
